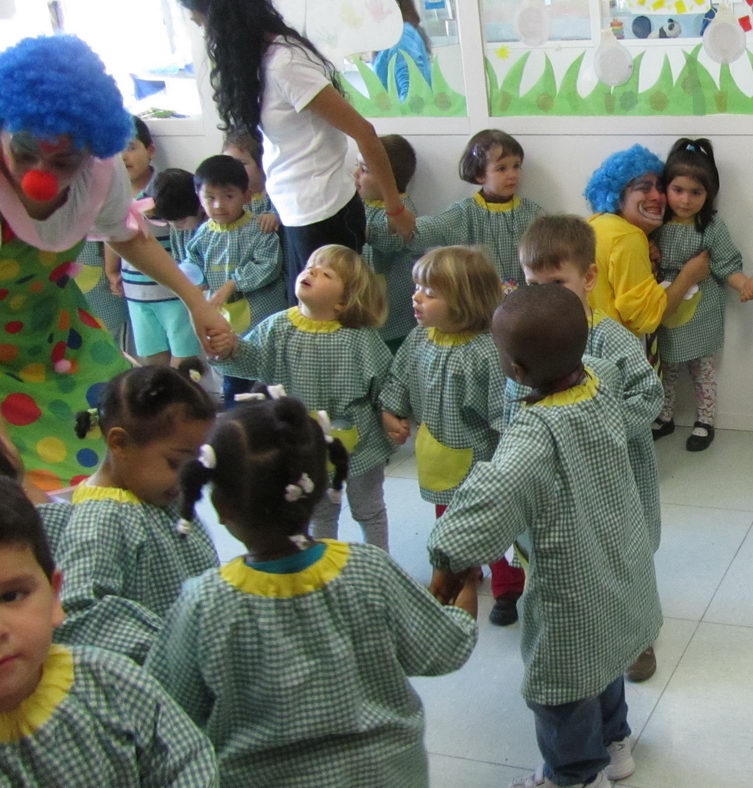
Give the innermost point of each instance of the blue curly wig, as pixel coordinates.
(54, 85)
(608, 182)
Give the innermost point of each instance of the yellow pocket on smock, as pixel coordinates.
(348, 436)
(238, 314)
(88, 277)
(440, 467)
(684, 312)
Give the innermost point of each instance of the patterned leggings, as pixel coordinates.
(704, 383)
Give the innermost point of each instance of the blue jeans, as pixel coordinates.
(347, 228)
(573, 737)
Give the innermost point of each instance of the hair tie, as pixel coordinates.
(183, 527)
(300, 489)
(250, 396)
(324, 422)
(207, 457)
(93, 416)
(195, 375)
(277, 391)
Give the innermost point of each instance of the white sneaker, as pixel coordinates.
(621, 763)
(537, 780)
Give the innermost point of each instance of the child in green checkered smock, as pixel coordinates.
(327, 352)
(561, 474)
(241, 265)
(384, 251)
(446, 375)
(77, 716)
(294, 658)
(692, 183)
(123, 557)
(494, 217)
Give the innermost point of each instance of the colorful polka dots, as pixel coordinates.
(9, 269)
(45, 480)
(64, 320)
(51, 450)
(87, 457)
(14, 326)
(19, 410)
(33, 373)
(8, 353)
(94, 394)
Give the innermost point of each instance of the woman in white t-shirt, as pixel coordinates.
(268, 78)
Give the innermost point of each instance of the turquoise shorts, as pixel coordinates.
(163, 325)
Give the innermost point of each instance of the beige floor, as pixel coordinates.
(694, 718)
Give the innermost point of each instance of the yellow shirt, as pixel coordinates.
(625, 289)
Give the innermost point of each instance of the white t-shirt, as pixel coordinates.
(304, 155)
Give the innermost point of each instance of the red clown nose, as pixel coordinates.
(40, 185)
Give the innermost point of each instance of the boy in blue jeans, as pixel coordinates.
(561, 477)
(242, 265)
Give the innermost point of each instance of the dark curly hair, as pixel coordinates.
(694, 159)
(262, 447)
(237, 34)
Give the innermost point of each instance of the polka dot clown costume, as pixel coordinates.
(60, 111)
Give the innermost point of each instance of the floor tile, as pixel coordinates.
(707, 478)
(700, 736)
(733, 602)
(697, 546)
(447, 772)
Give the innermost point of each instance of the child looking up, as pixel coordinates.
(242, 266)
(294, 658)
(590, 604)
(162, 330)
(327, 352)
(495, 217)
(692, 183)
(384, 251)
(123, 559)
(446, 375)
(68, 714)
(242, 146)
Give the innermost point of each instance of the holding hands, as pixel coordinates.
(396, 428)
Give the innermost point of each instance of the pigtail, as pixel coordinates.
(86, 421)
(338, 456)
(193, 368)
(193, 477)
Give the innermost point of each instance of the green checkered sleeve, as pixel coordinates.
(642, 391)
(395, 395)
(124, 565)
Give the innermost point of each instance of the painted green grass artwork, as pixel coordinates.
(423, 100)
(694, 92)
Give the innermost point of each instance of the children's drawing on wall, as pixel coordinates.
(664, 57)
(397, 57)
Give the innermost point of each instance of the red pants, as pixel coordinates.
(506, 579)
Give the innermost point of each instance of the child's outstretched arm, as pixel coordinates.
(396, 428)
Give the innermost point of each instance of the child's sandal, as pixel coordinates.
(701, 437)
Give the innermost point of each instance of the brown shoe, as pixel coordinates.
(643, 668)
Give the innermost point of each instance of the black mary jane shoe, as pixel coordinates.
(700, 442)
(661, 428)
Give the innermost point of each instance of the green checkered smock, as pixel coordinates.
(498, 226)
(260, 203)
(388, 255)
(300, 679)
(124, 563)
(703, 335)
(634, 382)
(453, 387)
(242, 252)
(95, 286)
(328, 367)
(179, 240)
(562, 473)
(95, 718)
(55, 516)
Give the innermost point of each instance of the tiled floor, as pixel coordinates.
(694, 718)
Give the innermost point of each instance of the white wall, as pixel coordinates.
(561, 153)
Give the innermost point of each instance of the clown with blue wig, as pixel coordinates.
(62, 127)
(627, 194)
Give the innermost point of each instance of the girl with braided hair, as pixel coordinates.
(294, 657)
